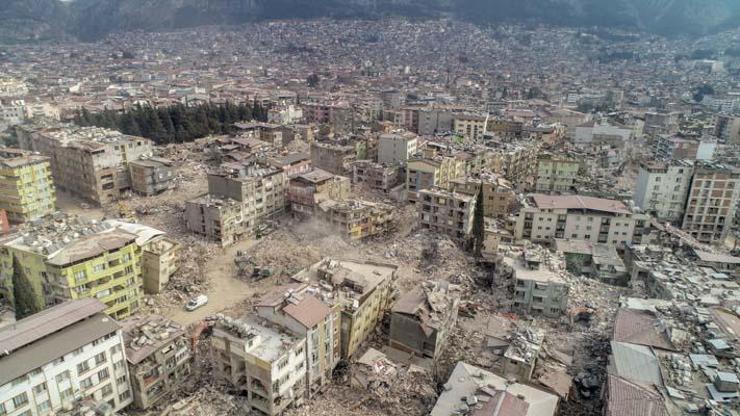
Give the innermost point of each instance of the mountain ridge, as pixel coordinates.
(90, 20)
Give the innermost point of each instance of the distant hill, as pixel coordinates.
(92, 19)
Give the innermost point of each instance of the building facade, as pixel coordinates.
(447, 212)
(712, 201)
(555, 174)
(151, 176)
(26, 186)
(662, 188)
(547, 217)
(55, 357)
(396, 148)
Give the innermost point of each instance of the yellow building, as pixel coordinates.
(364, 290)
(71, 258)
(26, 186)
(472, 127)
(428, 172)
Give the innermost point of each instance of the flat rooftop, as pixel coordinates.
(579, 202)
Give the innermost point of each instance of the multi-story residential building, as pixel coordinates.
(470, 126)
(262, 361)
(537, 290)
(376, 175)
(556, 174)
(12, 88)
(657, 123)
(26, 186)
(727, 128)
(160, 255)
(151, 176)
(297, 308)
(504, 127)
(308, 190)
(447, 212)
(592, 134)
(363, 290)
(486, 393)
(397, 148)
(422, 319)
(293, 164)
(53, 358)
(499, 198)
(662, 188)
(517, 163)
(435, 120)
(241, 196)
(355, 218)
(89, 162)
(547, 217)
(712, 201)
(333, 157)
(158, 355)
(12, 113)
(428, 172)
(69, 258)
(667, 147)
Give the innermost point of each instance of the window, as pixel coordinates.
(103, 374)
(107, 390)
(118, 365)
(39, 388)
(43, 407)
(125, 395)
(62, 376)
(20, 400)
(82, 368)
(66, 394)
(121, 380)
(100, 358)
(86, 383)
(20, 380)
(80, 275)
(116, 348)
(99, 267)
(3, 411)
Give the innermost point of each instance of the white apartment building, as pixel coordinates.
(546, 217)
(12, 113)
(58, 356)
(262, 361)
(556, 174)
(538, 290)
(396, 148)
(662, 188)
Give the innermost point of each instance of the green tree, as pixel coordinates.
(26, 301)
(479, 226)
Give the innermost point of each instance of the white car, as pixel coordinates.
(196, 302)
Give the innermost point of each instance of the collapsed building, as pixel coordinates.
(152, 176)
(158, 355)
(363, 289)
(263, 361)
(90, 162)
(447, 212)
(241, 197)
(537, 289)
(422, 319)
(596, 260)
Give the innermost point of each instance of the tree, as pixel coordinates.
(479, 226)
(313, 80)
(26, 301)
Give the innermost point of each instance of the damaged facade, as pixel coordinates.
(27, 188)
(422, 319)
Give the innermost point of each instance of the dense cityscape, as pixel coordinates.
(371, 217)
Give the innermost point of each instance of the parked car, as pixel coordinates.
(196, 302)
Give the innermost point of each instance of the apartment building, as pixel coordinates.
(262, 361)
(356, 219)
(397, 148)
(435, 120)
(662, 188)
(10, 87)
(56, 357)
(499, 197)
(363, 289)
(547, 217)
(152, 176)
(89, 162)
(667, 147)
(376, 175)
(301, 310)
(556, 174)
(158, 356)
(334, 158)
(422, 319)
(12, 113)
(593, 134)
(67, 258)
(727, 128)
(26, 186)
(471, 126)
(537, 290)
(712, 201)
(241, 196)
(516, 163)
(307, 190)
(428, 172)
(447, 212)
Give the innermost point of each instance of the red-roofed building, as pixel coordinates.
(298, 309)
